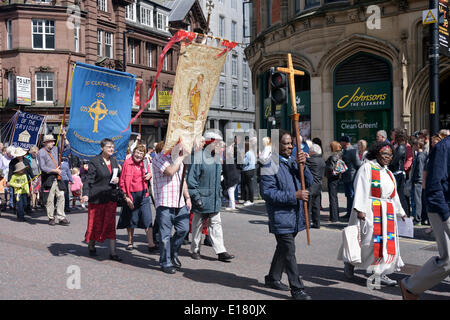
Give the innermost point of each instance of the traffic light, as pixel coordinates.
(278, 87)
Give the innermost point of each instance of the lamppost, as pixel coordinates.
(125, 49)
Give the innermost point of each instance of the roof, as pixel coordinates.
(178, 8)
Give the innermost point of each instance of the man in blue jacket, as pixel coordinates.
(284, 203)
(435, 269)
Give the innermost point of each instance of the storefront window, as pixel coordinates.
(311, 3)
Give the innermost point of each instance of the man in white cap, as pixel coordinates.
(52, 185)
(205, 189)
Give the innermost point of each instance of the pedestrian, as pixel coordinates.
(98, 190)
(417, 180)
(36, 181)
(248, 175)
(264, 156)
(333, 178)
(52, 184)
(205, 174)
(382, 136)
(374, 209)
(437, 192)
(137, 212)
(231, 176)
(19, 156)
(3, 186)
(362, 149)
(83, 175)
(173, 205)
(397, 165)
(284, 204)
(76, 187)
(19, 181)
(316, 165)
(7, 157)
(66, 176)
(351, 160)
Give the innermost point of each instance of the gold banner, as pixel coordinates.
(197, 76)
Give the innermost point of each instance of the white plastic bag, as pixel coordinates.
(351, 237)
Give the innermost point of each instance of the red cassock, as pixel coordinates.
(101, 222)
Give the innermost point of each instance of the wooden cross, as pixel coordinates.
(295, 119)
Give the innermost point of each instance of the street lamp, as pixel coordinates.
(125, 49)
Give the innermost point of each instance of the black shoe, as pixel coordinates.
(300, 295)
(64, 222)
(207, 242)
(278, 285)
(196, 256)
(51, 222)
(314, 226)
(225, 257)
(92, 253)
(22, 220)
(169, 270)
(176, 263)
(349, 270)
(115, 257)
(153, 249)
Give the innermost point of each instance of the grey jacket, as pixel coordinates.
(351, 159)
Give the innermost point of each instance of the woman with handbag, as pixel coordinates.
(134, 181)
(101, 193)
(374, 209)
(333, 179)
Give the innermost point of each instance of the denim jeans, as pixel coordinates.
(350, 195)
(170, 245)
(21, 205)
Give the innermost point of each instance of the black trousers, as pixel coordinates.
(314, 203)
(401, 180)
(334, 204)
(284, 259)
(248, 185)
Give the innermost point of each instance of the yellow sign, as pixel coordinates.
(344, 101)
(429, 16)
(164, 100)
(432, 107)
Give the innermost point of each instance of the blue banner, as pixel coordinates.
(26, 130)
(101, 102)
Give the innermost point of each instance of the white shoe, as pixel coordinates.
(248, 203)
(230, 209)
(387, 281)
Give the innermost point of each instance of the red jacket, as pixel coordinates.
(132, 178)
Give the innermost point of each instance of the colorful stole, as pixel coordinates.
(375, 191)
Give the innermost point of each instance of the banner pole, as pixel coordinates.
(14, 127)
(63, 139)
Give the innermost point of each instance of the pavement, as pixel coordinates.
(45, 262)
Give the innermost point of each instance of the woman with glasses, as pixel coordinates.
(98, 193)
(375, 207)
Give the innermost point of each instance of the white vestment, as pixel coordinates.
(363, 202)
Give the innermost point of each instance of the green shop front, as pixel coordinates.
(362, 98)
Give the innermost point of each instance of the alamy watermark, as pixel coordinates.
(74, 280)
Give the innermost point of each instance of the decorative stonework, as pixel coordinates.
(331, 20)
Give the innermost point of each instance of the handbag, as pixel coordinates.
(339, 167)
(351, 237)
(118, 197)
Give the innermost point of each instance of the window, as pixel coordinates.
(43, 34)
(130, 11)
(234, 66)
(222, 94)
(244, 69)
(102, 5)
(233, 4)
(9, 34)
(149, 48)
(269, 12)
(245, 98)
(297, 5)
(146, 16)
(224, 69)
(11, 83)
(132, 47)
(99, 43)
(313, 3)
(165, 63)
(233, 31)
(109, 45)
(76, 36)
(234, 95)
(221, 26)
(161, 21)
(44, 87)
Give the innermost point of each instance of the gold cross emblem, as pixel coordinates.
(97, 113)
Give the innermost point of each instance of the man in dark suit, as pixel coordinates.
(351, 159)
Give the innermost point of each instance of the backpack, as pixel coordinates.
(339, 167)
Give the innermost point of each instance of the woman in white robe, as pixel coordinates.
(379, 156)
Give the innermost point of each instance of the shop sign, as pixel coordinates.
(363, 97)
(444, 29)
(164, 100)
(303, 100)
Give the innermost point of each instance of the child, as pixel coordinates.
(76, 186)
(19, 181)
(2, 191)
